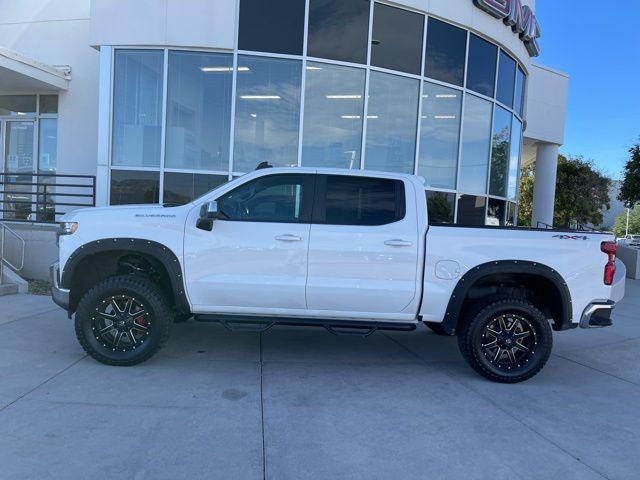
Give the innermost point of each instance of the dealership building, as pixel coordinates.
(162, 100)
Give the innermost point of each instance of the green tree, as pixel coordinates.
(526, 196)
(499, 178)
(630, 189)
(620, 227)
(581, 193)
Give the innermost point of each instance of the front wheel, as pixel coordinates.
(508, 341)
(123, 320)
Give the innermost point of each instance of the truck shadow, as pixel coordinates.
(211, 341)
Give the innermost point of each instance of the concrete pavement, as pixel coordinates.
(296, 403)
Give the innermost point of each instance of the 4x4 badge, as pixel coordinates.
(571, 237)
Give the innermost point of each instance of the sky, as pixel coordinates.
(598, 44)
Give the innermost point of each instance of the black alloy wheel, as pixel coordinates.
(120, 322)
(123, 320)
(507, 341)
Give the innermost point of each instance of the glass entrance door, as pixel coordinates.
(19, 165)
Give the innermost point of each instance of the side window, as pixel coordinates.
(274, 198)
(359, 201)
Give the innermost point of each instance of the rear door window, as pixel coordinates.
(352, 200)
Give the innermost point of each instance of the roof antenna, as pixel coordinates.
(262, 165)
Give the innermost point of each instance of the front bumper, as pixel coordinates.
(60, 295)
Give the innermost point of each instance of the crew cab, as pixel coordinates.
(352, 251)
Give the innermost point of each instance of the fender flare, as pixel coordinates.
(476, 273)
(159, 252)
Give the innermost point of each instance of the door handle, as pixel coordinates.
(396, 242)
(288, 238)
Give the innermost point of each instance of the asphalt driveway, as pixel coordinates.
(301, 404)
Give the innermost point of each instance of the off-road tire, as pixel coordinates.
(160, 319)
(470, 341)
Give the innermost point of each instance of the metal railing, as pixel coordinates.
(585, 228)
(3, 242)
(579, 227)
(544, 225)
(43, 197)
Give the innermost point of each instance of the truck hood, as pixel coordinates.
(123, 212)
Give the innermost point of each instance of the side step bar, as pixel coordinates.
(237, 323)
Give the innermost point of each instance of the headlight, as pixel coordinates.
(67, 228)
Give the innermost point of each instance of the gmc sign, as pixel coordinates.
(517, 16)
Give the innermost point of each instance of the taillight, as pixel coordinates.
(610, 268)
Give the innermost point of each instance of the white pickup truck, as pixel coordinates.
(351, 251)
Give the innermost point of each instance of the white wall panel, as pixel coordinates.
(184, 23)
(126, 22)
(206, 23)
(20, 11)
(546, 105)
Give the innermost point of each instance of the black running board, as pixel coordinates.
(237, 323)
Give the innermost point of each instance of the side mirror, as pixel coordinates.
(209, 210)
(208, 213)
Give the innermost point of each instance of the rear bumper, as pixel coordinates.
(597, 315)
(59, 295)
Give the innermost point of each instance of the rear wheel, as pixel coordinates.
(508, 341)
(123, 320)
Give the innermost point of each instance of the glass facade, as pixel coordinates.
(471, 210)
(506, 79)
(496, 212)
(341, 84)
(391, 123)
(339, 30)
(476, 145)
(276, 26)
(181, 188)
(439, 135)
(137, 108)
(445, 52)
(128, 186)
(500, 153)
(15, 105)
(393, 43)
(28, 147)
(334, 105)
(198, 111)
(481, 70)
(267, 120)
